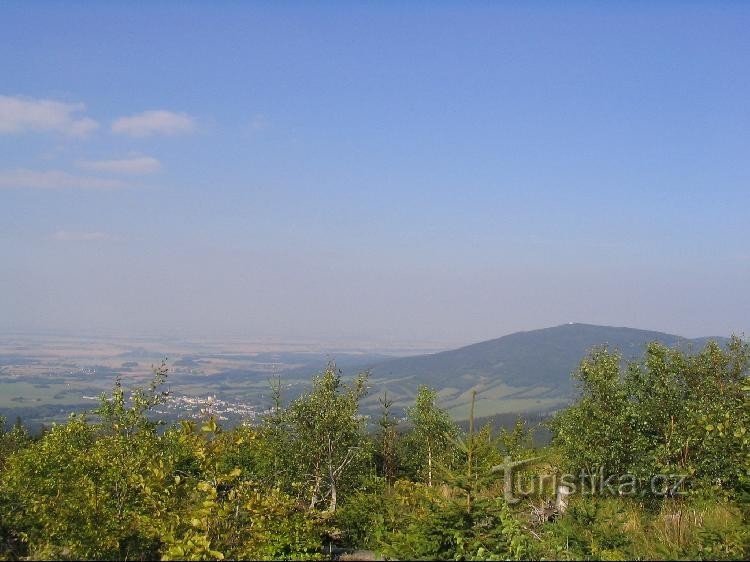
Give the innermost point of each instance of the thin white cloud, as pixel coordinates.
(154, 122)
(73, 236)
(21, 115)
(54, 179)
(137, 165)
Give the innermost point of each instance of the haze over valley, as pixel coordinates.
(45, 378)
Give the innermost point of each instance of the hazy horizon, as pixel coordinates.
(443, 173)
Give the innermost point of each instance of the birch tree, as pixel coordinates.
(429, 441)
(327, 435)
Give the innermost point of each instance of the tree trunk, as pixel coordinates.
(334, 496)
(331, 477)
(316, 490)
(332, 505)
(429, 466)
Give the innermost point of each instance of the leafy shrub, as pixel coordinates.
(420, 524)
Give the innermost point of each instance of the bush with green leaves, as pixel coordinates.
(422, 524)
(361, 516)
(671, 413)
(606, 528)
(120, 489)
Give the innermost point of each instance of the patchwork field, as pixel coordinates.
(45, 378)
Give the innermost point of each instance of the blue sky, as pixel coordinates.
(380, 171)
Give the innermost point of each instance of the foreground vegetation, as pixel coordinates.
(656, 455)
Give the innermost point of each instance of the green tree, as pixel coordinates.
(14, 440)
(596, 432)
(430, 440)
(93, 490)
(119, 414)
(386, 442)
(324, 437)
(673, 412)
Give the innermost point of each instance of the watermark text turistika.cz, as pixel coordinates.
(597, 483)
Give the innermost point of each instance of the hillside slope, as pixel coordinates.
(524, 371)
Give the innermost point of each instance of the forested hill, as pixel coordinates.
(524, 371)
